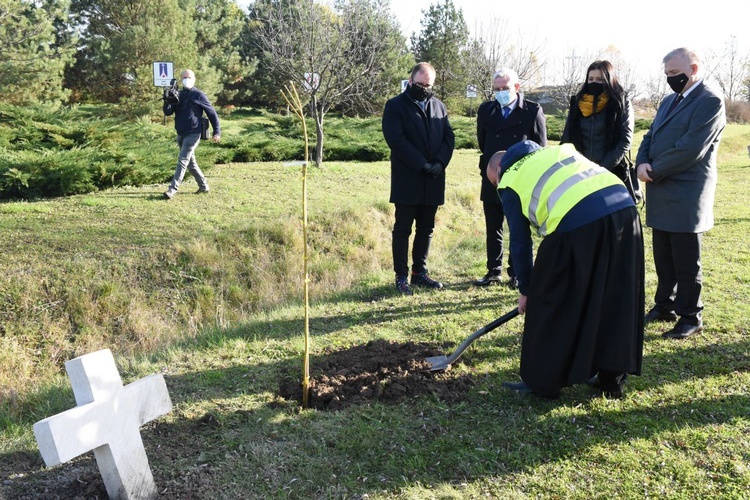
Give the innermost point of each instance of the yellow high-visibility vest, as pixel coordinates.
(551, 181)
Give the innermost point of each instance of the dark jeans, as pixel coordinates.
(406, 215)
(677, 258)
(493, 222)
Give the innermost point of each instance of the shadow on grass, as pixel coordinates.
(385, 309)
(243, 428)
(272, 449)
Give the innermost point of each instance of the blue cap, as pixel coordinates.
(516, 152)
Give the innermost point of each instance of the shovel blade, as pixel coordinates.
(438, 363)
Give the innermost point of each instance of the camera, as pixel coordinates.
(172, 94)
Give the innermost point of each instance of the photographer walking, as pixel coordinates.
(188, 107)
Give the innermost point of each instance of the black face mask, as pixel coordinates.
(595, 88)
(418, 93)
(677, 82)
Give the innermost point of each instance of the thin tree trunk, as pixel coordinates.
(319, 142)
(317, 115)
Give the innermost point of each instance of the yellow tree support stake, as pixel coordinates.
(292, 99)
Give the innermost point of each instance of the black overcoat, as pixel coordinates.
(525, 122)
(416, 137)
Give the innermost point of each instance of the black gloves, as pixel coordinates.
(437, 169)
(433, 169)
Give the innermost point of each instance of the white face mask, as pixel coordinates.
(503, 97)
(188, 82)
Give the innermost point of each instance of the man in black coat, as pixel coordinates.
(416, 128)
(502, 122)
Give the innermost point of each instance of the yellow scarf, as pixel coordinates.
(586, 104)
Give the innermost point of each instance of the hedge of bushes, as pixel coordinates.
(47, 152)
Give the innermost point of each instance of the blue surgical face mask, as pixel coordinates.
(503, 97)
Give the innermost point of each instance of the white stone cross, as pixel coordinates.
(106, 420)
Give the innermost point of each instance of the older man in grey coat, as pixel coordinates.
(677, 162)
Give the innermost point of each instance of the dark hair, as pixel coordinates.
(614, 108)
(611, 83)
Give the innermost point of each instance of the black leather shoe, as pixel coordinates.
(491, 278)
(682, 331)
(611, 393)
(660, 315)
(513, 283)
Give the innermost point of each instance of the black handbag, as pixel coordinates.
(627, 173)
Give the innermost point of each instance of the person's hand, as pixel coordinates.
(643, 170)
(522, 304)
(437, 169)
(427, 168)
(216, 138)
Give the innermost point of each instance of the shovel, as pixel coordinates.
(438, 363)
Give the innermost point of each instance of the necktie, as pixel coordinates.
(674, 104)
(506, 111)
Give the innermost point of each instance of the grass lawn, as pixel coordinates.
(206, 290)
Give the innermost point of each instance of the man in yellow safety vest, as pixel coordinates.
(584, 292)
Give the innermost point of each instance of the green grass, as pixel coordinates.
(207, 291)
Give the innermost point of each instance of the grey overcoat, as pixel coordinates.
(682, 149)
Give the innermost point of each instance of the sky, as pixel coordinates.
(643, 30)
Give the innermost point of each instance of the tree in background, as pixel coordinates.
(626, 73)
(492, 47)
(443, 36)
(656, 89)
(730, 70)
(383, 62)
(571, 73)
(121, 39)
(34, 51)
(218, 26)
(338, 54)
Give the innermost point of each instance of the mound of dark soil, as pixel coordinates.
(377, 371)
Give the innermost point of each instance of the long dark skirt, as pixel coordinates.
(584, 311)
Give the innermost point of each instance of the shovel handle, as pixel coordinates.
(482, 331)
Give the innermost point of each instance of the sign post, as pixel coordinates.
(163, 76)
(471, 93)
(312, 81)
(163, 73)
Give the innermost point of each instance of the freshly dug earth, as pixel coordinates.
(377, 371)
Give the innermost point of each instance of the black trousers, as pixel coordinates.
(677, 258)
(493, 223)
(406, 216)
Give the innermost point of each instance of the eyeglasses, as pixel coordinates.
(425, 86)
(498, 89)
